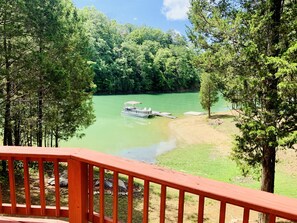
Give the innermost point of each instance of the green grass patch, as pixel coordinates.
(200, 160)
(285, 184)
(206, 161)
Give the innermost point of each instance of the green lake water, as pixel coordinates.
(136, 138)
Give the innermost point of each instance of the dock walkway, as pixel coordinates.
(163, 114)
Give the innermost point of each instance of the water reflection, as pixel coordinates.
(131, 121)
(150, 153)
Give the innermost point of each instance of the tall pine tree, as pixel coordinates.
(44, 72)
(208, 92)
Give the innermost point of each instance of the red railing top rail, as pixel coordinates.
(253, 199)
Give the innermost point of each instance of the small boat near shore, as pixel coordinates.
(164, 114)
(131, 108)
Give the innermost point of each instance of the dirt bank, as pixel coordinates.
(219, 130)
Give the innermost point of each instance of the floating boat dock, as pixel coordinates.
(163, 114)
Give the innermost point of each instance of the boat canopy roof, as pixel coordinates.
(132, 103)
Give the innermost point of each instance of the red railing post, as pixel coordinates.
(27, 187)
(12, 185)
(130, 199)
(41, 186)
(78, 191)
(81, 166)
(246, 215)
(201, 208)
(146, 197)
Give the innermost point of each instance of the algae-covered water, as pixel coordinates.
(136, 138)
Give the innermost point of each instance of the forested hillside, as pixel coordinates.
(129, 59)
(53, 57)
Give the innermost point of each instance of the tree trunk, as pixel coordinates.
(30, 136)
(51, 138)
(271, 100)
(7, 138)
(45, 137)
(17, 131)
(209, 100)
(271, 104)
(268, 169)
(40, 117)
(40, 98)
(7, 135)
(57, 138)
(268, 175)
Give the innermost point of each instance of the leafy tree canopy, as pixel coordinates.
(208, 92)
(127, 59)
(251, 48)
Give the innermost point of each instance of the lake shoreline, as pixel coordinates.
(203, 148)
(185, 131)
(194, 130)
(135, 138)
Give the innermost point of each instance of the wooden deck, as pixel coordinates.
(6, 219)
(82, 208)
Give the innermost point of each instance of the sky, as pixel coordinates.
(162, 14)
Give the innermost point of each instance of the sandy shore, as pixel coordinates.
(195, 130)
(191, 130)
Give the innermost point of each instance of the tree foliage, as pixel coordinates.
(44, 74)
(208, 92)
(252, 46)
(130, 59)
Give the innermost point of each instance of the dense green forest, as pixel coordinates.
(54, 57)
(45, 78)
(130, 59)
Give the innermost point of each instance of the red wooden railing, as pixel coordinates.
(82, 208)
